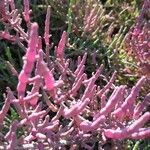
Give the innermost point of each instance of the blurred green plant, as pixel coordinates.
(138, 145)
(8, 60)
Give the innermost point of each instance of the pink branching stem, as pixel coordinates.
(90, 83)
(15, 101)
(76, 85)
(60, 67)
(103, 101)
(44, 123)
(6, 106)
(61, 99)
(12, 69)
(93, 102)
(87, 92)
(7, 36)
(64, 68)
(97, 73)
(38, 107)
(140, 106)
(39, 47)
(68, 110)
(35, 135)
(35, 89)
(12, 129)
(89, 19)
(29, 138)
(80, 73)
(33, 43)
(74, 147)
(49, 80)
(89, 126)
(82, 62)
(76, 109)
(127, 131)
(13, 141)
(96, 123)
(3, 10)
(119, 113)
(51, 127)
(47, 34)
(32, 117)
(59, 113)
(110, 105)
(107, 86)
(47, 26)
(141, 133)
(46, 73)
(49, 103)
(29, 60)
(26, 13)
(37, 82)
(139, 122)
(40, 136)
(38, 70)
(59, 83)
(31, 97)
(33, 79)
(61, 46)
(67, 133)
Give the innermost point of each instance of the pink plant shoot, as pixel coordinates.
(26, 13)
(61, 46)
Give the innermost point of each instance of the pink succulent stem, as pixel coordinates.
(47, 26)
(110, 105)
(140, 106)
(61, 46)
(26, 13)
(127, 131)
(81, 64)
(29, 60)
(32, 117)
(119, 113)
(76, 109)
(87, 126)
(49, 79)
(6, 106)
(44, 124)
(76, 86)
(7, 36)
(142, 133)
(51, 127)
(107, 86)
(12, 142)
(90, 83)
(12, 130)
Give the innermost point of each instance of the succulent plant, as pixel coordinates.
(138, 40)
(57, 105)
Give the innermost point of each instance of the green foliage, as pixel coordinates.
(138, 145)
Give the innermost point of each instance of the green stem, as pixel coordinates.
(69, 15)
(136, 146)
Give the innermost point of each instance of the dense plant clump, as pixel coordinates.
(138, 40)
(59, 105)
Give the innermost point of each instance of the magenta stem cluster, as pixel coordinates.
(59, 106)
